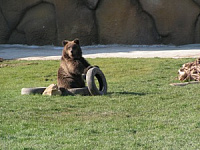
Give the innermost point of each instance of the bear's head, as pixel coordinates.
(72, 49)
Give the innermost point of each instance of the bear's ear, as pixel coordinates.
(76, 41)
(64, 42)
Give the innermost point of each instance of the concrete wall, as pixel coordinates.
(47, 22)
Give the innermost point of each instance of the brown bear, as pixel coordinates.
(72, 66)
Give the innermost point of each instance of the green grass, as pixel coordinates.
(140, 111)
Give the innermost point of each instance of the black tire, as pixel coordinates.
(40, 90)
(96, 72)
(79, 91)
(90, 90)
(36, 90)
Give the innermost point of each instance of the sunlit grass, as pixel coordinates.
(140, 111)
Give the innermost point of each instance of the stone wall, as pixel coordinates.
(48, 22)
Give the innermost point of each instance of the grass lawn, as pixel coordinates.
(140, 111)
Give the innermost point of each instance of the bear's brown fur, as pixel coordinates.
(72, 66)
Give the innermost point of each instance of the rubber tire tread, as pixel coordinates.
(96, 72)
(35, 90)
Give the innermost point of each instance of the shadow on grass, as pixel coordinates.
(127, 93)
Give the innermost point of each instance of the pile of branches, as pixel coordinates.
(190, 71)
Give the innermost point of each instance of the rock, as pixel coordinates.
(175, 21)
(47, 22)
(17, 37)
(197, 1)
(92, 4)
(75, 20)
(14, 10)
(39, 26)
(197, 30)
(52, 90)
(124, 22)
(4, 30)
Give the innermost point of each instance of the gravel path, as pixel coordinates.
(24, 52)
